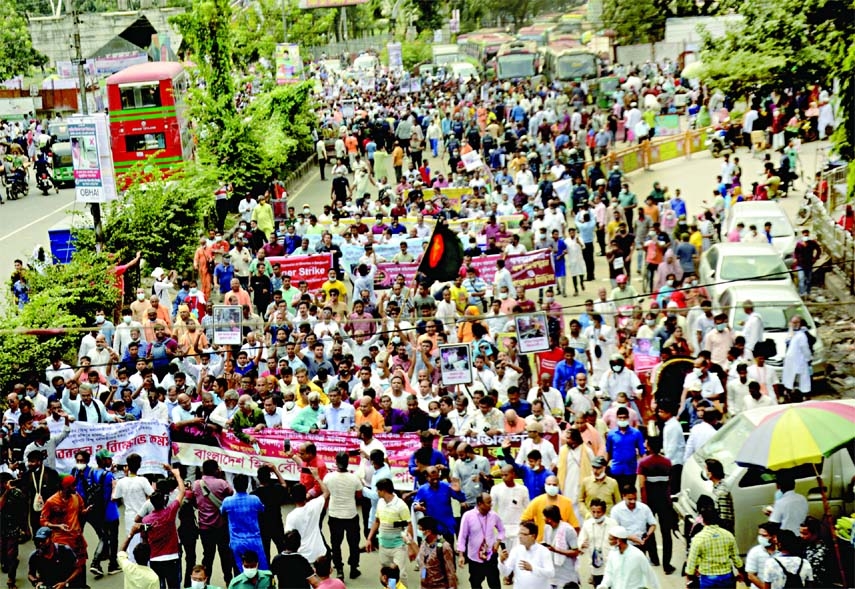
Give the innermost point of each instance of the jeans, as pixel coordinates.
(724, 581)
(217, 540)
(168, 571)
(805, 277)
(338, 529)
(108, 544)
(434, 146)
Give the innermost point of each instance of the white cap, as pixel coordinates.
(618, 532)
(157, 273)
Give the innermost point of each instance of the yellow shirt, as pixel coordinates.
(697, 240)
(340, 286)
(137, 576)
(315, 389)
(460, 297)
(534, 512)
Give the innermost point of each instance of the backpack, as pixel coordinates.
(94, 489)
(792, 580)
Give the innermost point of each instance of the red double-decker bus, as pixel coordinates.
(146, 103)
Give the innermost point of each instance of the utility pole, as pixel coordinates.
(95, 207)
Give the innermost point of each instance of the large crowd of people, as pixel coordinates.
(589, 484)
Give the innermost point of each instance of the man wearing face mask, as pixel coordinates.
(719, 340)
(760, 554)
(711, 387)
(618, 379)
(624, 445)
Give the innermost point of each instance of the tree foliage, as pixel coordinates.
(65, 295)
(17, 54)
(162, 218)
(634, 21)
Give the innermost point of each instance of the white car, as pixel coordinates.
(725, 264)
(758, 213)
(463, 71)
(776, 304)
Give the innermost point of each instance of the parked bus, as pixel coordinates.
(519, 59)
(146, 103)
(538, 33)
(571, 65)
(483, 46)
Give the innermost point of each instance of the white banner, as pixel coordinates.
(149, 439)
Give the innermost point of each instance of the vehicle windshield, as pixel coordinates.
(725, 443)
(520, 65)
(781, 227)
(444, 58)
(581, 66)
(775, 317)
(764, 267)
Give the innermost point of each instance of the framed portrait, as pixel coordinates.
(227, 325)
(532, 332)
(455, 364)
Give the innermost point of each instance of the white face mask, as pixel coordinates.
(600, 519)
(140, 296)
(622, 423)
(289, 405)
(551, 490)
(763, 541)
(197, 584)
(697, 372)
(433, 414)
(503, 295)
(81, 465)
(250, 573)
(99, 319)
(126, 319)
(600, 476)
(549, 299)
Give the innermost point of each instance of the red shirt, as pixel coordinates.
(313, 489)
(163, 535)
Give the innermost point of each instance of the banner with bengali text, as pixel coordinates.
(149, 439)
(531, 269)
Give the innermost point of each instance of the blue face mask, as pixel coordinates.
(778, 494)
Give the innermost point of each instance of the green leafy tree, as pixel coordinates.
(634, 21)
(17, 55)
(64, 296)
(519, 12)
(172, 210)
(787, 44)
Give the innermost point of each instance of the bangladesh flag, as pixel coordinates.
(443, 257)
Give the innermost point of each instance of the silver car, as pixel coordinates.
(726, 264)
(776, 304)
(758, 213)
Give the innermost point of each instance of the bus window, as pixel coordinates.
(145, 142)
(140, 96)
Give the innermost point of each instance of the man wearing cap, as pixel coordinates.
(627, 566)
(53, 564)
(598, 486)
(63, 514)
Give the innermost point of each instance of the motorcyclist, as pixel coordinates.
(43, 166)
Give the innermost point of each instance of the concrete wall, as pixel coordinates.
(52, 36)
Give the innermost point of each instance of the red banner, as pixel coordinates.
(388, 271)
(314, 268)
(532, 269)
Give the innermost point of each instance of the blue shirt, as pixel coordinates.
(534, 480)
(566, 374)
(586, 230)
(243, 510)
(340, 419)
(624, 448)
(436, 458)
(437, 504)
(678, 205)
(521, 407)
(224, 275)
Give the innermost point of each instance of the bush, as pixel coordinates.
(161, 218)
(64, 296)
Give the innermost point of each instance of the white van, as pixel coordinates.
(754, 488)
(366, 62)
(463, 71)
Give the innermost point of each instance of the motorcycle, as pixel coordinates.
(16, 185)
(44, 182)
(718, 143)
